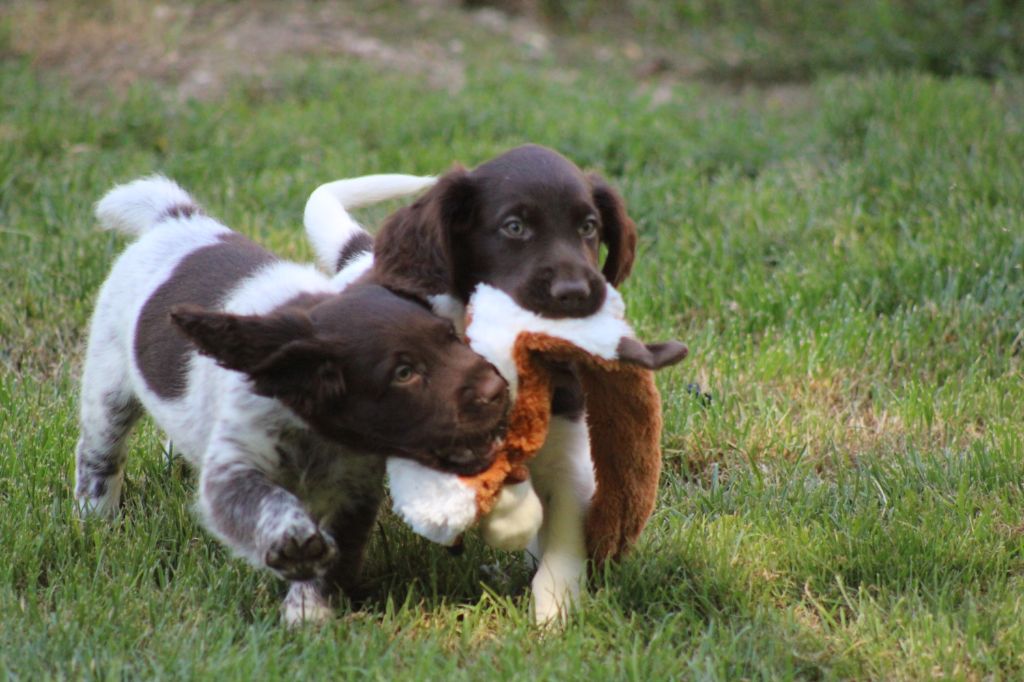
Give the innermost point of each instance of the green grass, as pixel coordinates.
(785, 40)
(847, 271)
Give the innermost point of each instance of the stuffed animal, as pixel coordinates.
(623, 417)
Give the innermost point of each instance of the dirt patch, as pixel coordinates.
(199, 50)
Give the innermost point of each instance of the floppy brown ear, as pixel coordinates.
(651, 355)
(279, 352)
(413, 253)
(618, 231)
(240, 342)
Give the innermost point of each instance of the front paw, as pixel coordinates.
(306, 604)
(515, 519)
(301, 552)
(556, 589)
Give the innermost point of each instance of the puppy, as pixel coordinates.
(285, 389)
(530, 223)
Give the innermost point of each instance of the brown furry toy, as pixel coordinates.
(623, 413)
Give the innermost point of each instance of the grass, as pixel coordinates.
(785, 40)
(846, 267)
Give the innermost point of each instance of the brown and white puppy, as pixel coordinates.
(531, 224)
(285, 389)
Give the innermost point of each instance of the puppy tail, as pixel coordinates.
(138, 206)
(336, 237)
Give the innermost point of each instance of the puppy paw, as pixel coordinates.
(305, 604)
(556, 590)
(104, 504)
(301, 552)
(549, 614)
(515, 518)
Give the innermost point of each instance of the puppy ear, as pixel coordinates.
(240, 342)
(413, 253)
(302, 374)
(651, 355)
(279, 352)
(618, 231)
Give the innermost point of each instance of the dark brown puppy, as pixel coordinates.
(528, 222)
(367, 369)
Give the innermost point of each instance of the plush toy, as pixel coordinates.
(623, 416)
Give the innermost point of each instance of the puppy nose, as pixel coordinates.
(492, 388)
(487, 391)
(570, 290)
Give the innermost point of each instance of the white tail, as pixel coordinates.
(138, 206)
(328, 224)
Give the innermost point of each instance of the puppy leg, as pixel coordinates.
(306, 602)
(108, 411)
(313, 601)
(262, 521)
(564, 477)
(514, 521)
(351, 529)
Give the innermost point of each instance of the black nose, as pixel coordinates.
(570, 291)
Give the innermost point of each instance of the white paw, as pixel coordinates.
(103, 506)
(515, 518)
(304, 604)
(556, 590)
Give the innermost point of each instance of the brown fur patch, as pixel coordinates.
(204, 277)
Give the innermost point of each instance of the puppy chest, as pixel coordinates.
(329, 479)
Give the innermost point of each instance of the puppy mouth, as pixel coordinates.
(537, 297)
(468, 457)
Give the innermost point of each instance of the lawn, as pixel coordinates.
(844, 256)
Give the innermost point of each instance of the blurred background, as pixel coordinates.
(197, 47)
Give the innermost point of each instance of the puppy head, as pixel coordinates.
(367, 369)
(528, 222)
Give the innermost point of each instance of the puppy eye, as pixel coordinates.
(589, 228)
(403, 374)
(514, 228)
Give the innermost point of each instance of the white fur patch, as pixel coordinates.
(556, 587)
(447, 306)
(352, 271)
(563, 474)
(328, 223)
(135, 207)
(104, 506)
(437, 506)
(496, 320)
(304, 604)
(275, 284)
